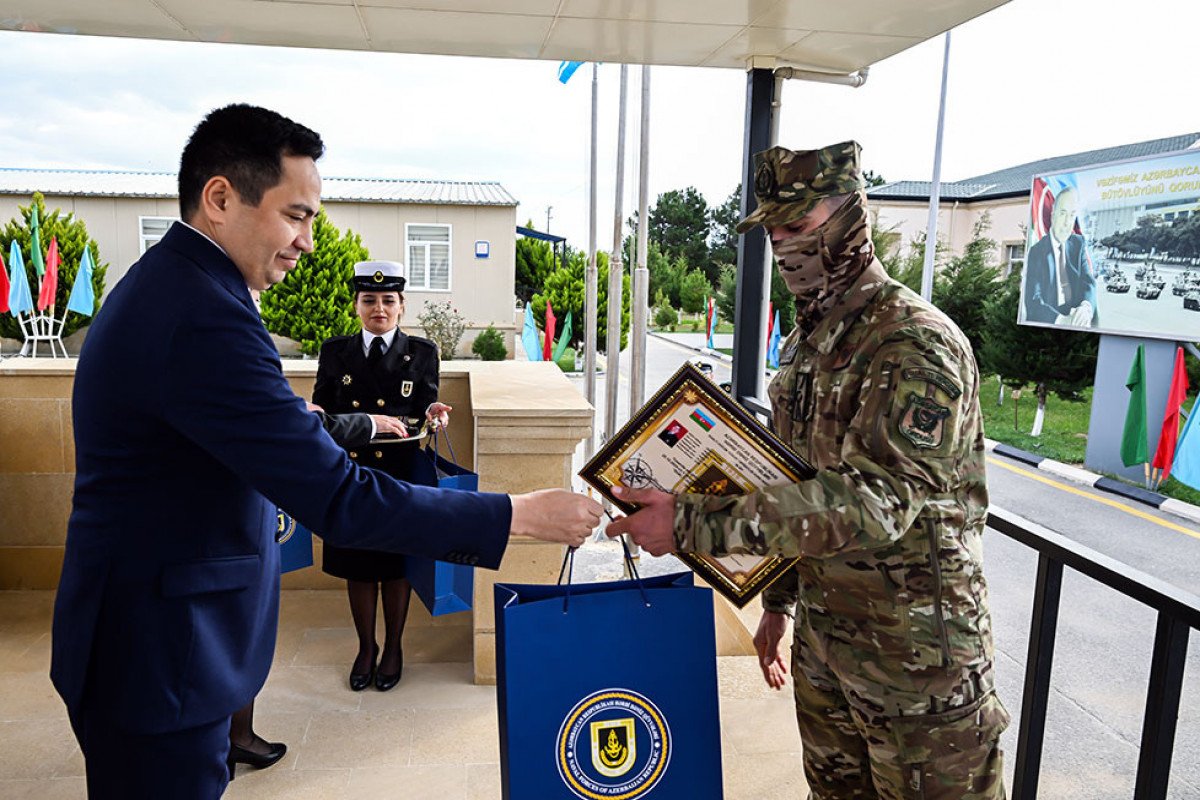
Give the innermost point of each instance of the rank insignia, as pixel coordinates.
(406, 388)
(923, 422)
(346, 379)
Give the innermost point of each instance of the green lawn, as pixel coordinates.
(1064, 431)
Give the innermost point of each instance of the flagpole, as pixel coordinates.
(591, 290)
(935, 188)
(616, 272)
(641, 275)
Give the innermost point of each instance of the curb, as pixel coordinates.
(1104, 484)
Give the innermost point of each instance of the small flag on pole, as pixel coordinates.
(83, 298)
(20, 301)
(773, 345)
(564, 338)
(1187, 452)
(1134, 447)
(566, 69)
(529, 336)
(50, 281)
(710, 323)
(35, 245)
(1176, 395)
(3, 286)
(548, 346)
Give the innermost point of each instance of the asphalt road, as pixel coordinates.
(1104, 642)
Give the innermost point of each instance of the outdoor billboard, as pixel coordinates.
(1115, 248)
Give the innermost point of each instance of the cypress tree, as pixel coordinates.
(315, 300)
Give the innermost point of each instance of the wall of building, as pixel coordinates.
(956, 221)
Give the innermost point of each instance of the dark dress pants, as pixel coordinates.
(179, 765)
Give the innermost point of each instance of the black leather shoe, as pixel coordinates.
(361, 680)
(385, 682)
(240, 755)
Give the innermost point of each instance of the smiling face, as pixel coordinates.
(265, 241)
(379, 311)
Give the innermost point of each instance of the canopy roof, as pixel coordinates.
(821, 35)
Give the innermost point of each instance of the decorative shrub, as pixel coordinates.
(444, 326)
(489, 345)
(666, 317)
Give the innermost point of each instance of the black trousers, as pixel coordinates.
(180, 765)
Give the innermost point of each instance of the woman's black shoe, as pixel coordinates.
(240, 755)
(361, 680)
(385, 682)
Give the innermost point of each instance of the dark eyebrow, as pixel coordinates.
(307, 210)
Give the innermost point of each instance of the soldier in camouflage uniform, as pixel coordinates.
(892, 650)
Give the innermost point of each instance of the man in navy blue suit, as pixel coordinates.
(1059, 287)
(187, 436)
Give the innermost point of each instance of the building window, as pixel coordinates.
(1014, 257)
(152, 229)
(428, 257)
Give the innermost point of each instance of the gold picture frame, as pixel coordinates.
(692, 437)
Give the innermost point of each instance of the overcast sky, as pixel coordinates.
(1032, 79)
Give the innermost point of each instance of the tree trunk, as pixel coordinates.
(1040, 416)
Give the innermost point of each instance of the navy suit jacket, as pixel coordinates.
(187, 436)
(1041, 292)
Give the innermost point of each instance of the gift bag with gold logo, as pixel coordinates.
(608, 690)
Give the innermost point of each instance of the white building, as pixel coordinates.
(457, 238)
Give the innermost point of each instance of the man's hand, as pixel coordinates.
(438, 414)
(652, 526)
(385, 424)
(769, 642)
(1081, 315)
(312, 406)
(555, 515)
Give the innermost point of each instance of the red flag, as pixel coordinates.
(50, 279)
(3, 287)
(1165, 454)
(548, 347)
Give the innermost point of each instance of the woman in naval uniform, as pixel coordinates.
(378, 371)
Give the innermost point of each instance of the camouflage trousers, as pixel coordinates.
(931, 734)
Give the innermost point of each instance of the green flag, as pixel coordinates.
(35, 245)
(1135, 448)
(564, 338)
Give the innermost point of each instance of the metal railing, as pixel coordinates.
(1178, 612)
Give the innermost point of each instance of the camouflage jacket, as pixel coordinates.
(882, 398)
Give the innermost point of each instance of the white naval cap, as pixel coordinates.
(378, 276)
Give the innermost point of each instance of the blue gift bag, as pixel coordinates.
(443, 588)
(295, 543)
(608, 690)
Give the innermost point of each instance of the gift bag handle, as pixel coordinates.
(434, 446)
(568, 567)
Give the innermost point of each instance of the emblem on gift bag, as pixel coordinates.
(629, 754)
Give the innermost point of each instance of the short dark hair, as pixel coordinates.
(245, 144)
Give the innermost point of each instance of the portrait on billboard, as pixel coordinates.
(1115, 248)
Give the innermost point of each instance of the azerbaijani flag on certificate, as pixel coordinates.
(702, 420)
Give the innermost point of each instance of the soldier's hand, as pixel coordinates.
(555, 515)
(769, 642)
(386, 424)
(652, 526)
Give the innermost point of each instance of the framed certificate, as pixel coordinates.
(692, 437)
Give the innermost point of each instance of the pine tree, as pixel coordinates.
(316, 300)
(72, 239)
(1052, 360)
(965, 286)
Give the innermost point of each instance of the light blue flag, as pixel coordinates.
(1187, 453)
(529, 336)
(83, 298)
(566, 69)
(773, 345)
(20, 301)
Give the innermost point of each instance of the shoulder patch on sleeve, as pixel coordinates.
(936, 378)
(923, 421)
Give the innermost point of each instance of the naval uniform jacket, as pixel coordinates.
(402, 384)
(187, 437)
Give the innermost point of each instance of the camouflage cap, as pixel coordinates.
(789, 183)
